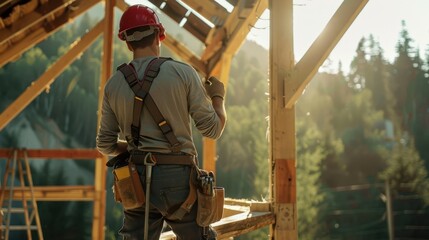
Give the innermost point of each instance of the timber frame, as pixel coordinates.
(33, 21)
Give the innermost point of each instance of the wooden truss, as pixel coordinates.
(222, 33)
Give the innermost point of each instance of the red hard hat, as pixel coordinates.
(139, 16)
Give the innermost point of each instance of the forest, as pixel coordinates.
(358, 134)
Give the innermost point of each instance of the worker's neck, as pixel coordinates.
(146, 52)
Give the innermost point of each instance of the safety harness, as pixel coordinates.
(142, 96)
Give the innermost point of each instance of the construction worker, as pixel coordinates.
(181, 97)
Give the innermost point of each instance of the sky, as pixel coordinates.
(381, 18)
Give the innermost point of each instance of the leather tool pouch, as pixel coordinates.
(127, 187)
(210, 200)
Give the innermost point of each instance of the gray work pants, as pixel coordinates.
(169, 189)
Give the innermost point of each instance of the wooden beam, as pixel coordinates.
(229, 38)
(210, 10)
(184, 53)
(282, 123)
(209, 154)
(178, 12)
(84, 154)
(99, 210)
(52, 193)
(308, 66)
(240, 224)
(235, 225)
(32, 19)
(35, 36)
(49, 76)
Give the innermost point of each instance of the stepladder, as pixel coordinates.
(19, 213)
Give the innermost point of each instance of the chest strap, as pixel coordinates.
(142, 96)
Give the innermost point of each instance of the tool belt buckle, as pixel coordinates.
(149, 160)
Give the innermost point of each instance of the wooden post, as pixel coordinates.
(390, 226)
(282, 123)
(99, 211)
(209, 145)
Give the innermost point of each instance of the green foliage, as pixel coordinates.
(310, 199)
(243, 156)
(406, 167)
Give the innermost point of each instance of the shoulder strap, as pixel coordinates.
(141, 91)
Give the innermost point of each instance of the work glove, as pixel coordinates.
(214, 88)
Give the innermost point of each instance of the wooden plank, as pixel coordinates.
(52, 193)
(309, 64)
(236, 225)
(197, 27)
(49, 76)
(282, 122)
(210, 10)
(85, 154)
(240, 224)
(38, 35)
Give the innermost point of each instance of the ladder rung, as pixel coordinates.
(13, 210)
(17, 227)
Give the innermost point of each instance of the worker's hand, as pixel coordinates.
(214, 88)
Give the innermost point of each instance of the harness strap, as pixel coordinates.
(189, 202)
(141, 92)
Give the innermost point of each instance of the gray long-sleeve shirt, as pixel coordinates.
(179, 94)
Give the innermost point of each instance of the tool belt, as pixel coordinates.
(138, 158)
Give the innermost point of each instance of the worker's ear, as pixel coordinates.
(129, 47)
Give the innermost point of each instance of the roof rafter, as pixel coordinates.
(229, 38)
(309, 64)
(181, 50)
(40, 34)
(211, 10)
